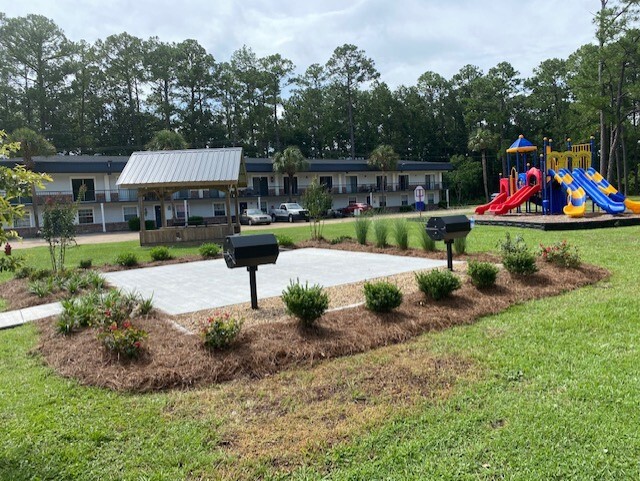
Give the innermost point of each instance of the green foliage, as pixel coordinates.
(340, 239)
(516, 257)
(437, 284)
(284, 240)
(220, 331)
(160, 253)
(511, 246)
(195, 220)
(123, 339)
(465, 180)
(460, 245)
(401, 233)
(426, 242)
(126, 259)
(209, 249)
(134, 224)
(382, 296)
(11, 263)
(167, 140)
(58, 228)
(79, 312)
(361, 226)
(560, 253)
(381, 233)
(304, 302)
(85, 263)
(42, 288)
(383, 158)
(317, 200)
(289, 162)
(482, 274)
(23, 272)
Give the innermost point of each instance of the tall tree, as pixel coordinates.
(290, 161)
(350, 67)
(32, 144)
(480, 142)
(278, 71)
(167, 140)
(384, 159)
(161, 62)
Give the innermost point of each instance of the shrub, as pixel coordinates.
(560, 253)
(149, 225)
(78, 312)
(220, 330)
(209, 250)
(511, 246)
(437, 284)
(134, 224)
(521, 263)
(482, 274)
(94, 280)
(40, 274)
(382, 296)
(284, 240)
(195, 220)
(42, 288)
(362, 225)
(381, 233)
(401, 233)
(426, 242)
(123, 340)
(405, 208)
(161, 253)
(460, 245)
(340, 239)
(126, 259)
(304, 302)
(85, 263)
(23, 272)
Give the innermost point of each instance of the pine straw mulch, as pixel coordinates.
(174, 359)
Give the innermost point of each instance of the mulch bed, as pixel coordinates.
(174, 359)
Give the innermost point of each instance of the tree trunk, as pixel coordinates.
(352, 135)
(485, 176)
(625, 169)
(603, 136)
(34, 205)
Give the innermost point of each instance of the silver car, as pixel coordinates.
(254, 217)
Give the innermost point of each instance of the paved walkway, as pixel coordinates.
(194, 286)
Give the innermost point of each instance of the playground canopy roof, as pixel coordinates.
(521, 145)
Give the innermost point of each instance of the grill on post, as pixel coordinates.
(447, 229)
(250, 252)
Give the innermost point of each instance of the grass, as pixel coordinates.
(552, 393)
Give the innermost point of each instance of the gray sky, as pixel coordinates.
(405, 38)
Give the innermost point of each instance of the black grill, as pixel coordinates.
(448, 228)
(250, 250)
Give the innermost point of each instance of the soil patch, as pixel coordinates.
(174, 359)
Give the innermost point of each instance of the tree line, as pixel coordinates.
(113, 95)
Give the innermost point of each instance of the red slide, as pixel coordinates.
(499, 199)
(520, 197)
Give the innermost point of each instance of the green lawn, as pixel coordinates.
(556, 396)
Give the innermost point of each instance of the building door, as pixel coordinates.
(158, 213)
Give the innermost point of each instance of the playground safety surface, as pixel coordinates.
(592, 220)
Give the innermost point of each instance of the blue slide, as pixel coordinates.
(595, 194)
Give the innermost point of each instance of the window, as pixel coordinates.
(180, 211)
(326, 181)
(404, 199)
(261, 185)
(90, 189)
(403, 182)
(181, 194)
(215, 193)
(294, 185)
(85, 216)
(383, 201)
(129, 212)
(24, 222)
(431, 198)
(219, 209)
(380, 181)
(352, 184)
(430, 181)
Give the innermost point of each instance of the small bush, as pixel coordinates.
(94, 280)
(134, 224)
(460, 245)
(123, 340)
(426, 242)
(520, 263)
(126, 259)
(304, 302)
(149, 225)
(220, 330)
(340, 239)
(209, 250)
(284, 240)
(511, 246)
(561, 254)
(23, 272)
(382, 296)
(42, 288)
(401, 233)
(195, 220)
(160, 253)
(78, 312)
(482, 274)
(381, 233)
(437, 284)
(40, 274)
(362, 225)
(85, 263)
(405, 208)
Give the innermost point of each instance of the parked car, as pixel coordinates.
(351, 208)
(254, 217)
(290, 211)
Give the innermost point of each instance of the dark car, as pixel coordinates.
(352, 208)
(254, 217)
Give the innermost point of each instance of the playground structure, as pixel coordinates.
(557, 182)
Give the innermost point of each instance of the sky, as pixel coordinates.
(405, 38)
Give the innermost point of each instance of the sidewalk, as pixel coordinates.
(22, 316)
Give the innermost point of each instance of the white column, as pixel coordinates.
(107, 187)
(104, 225)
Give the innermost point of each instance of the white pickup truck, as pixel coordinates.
(289, 212)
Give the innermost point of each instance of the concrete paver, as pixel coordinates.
(194, 286)
(22, 316)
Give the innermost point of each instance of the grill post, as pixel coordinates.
(252, 285)
(449, 254)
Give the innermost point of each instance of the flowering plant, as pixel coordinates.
(560, 253)
(123, 339)
(220, 330)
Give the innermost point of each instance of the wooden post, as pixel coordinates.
(163, 217)
(141, 210)
(227, 202)
(237, 207)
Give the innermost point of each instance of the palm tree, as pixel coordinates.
(384, 159)
(32, 144)
(480, 142)
(289, 162)
(167, 140)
